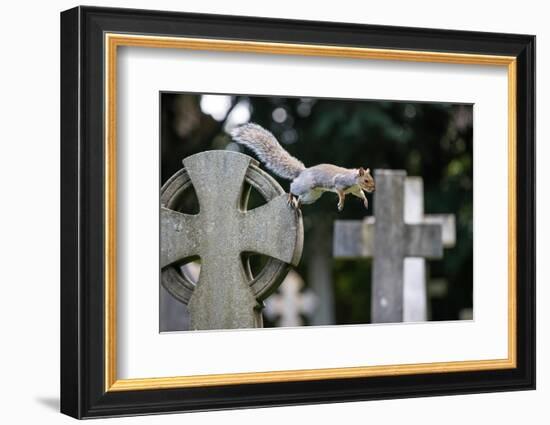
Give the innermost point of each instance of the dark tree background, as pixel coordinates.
(430, 140)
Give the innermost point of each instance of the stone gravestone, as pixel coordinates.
(415, 283)
(291, 302)
(389, 239)
(226, 294)
(174, 314)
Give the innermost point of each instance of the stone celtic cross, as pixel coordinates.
(226, 295)
(389, 239)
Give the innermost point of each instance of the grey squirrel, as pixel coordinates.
(308, 184)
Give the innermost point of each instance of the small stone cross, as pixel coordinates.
(221, 231)
(415, 291)
(389, 239)
(291, 302)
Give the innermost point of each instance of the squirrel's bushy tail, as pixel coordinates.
(269, 151)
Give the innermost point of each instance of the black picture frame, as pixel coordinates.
(83, 392)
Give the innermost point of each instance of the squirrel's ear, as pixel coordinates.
(367, 171)
(361, 171)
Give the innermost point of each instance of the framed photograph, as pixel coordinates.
(261, 212)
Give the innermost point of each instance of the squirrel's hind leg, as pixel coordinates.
(309, 197)
(341, 199)
(293, 201)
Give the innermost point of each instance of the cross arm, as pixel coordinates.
(274, 229)
(353, 238)
(423, 240)
(179, 236)
(448, 227)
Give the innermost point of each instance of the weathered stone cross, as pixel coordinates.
(226, 294)
(389, 239)
(290, 302)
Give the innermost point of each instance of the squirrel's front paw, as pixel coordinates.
(340, 206)
(366, 203)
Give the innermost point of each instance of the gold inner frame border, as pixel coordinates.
(111, 43)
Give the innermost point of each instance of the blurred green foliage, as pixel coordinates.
(430, 140)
